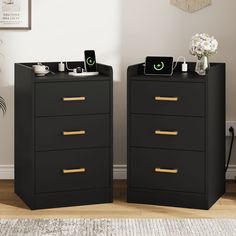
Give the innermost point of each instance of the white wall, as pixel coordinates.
(122, 32)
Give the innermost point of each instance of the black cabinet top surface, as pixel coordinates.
(105, 72)
(136, 72)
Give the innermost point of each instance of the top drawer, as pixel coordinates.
(167, 98)
(72, 98)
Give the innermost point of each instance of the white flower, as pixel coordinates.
(203, 45)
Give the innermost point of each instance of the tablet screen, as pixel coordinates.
(159, 66)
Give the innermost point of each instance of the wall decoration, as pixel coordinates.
(15, 14)
(191, 5)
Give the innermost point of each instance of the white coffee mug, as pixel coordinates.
(40, 68)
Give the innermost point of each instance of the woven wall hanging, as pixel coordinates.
(191, 5)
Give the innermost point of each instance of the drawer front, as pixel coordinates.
(167, 170)
(72, 170)
(171, 132)
(72, 98)
(67, 132)
(169, 98)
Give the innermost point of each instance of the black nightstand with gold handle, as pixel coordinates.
(176, 143)
(63, 135)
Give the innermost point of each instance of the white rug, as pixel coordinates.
(117, 227)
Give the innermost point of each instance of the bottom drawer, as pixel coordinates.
(167, 170)
(72, 170)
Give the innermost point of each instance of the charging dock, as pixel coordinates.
(83, 74)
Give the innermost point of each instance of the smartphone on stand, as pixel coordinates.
(90, 61)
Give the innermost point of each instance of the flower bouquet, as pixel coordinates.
(203, 46)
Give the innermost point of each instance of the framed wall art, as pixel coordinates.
(15, 14)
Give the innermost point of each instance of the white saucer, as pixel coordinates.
(42, 73)
(83, 74)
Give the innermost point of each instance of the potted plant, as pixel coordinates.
(3, 105)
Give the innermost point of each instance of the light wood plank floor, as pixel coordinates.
(12, 207)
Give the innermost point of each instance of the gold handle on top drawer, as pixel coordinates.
(168, 171)
(71, 171)
(79, 132)
(71, 99)
(168, 99)
(162, 132)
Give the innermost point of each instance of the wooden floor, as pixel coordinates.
(12, 207)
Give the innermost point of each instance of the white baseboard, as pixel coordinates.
(119, 172)
(231, 172)
(6, 171)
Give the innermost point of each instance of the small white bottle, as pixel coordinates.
(61, 66)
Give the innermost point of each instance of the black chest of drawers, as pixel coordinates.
(176, 137)
(63, 137)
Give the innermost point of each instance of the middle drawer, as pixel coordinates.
(54, 133)
(170, 132)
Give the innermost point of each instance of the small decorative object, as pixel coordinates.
(203, 46)
(191, 5)
(15, 14)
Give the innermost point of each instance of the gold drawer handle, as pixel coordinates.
(160, 132)
(79, 132)
(169, 99)
(71, 171)
(71, 99)
(169, 171)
